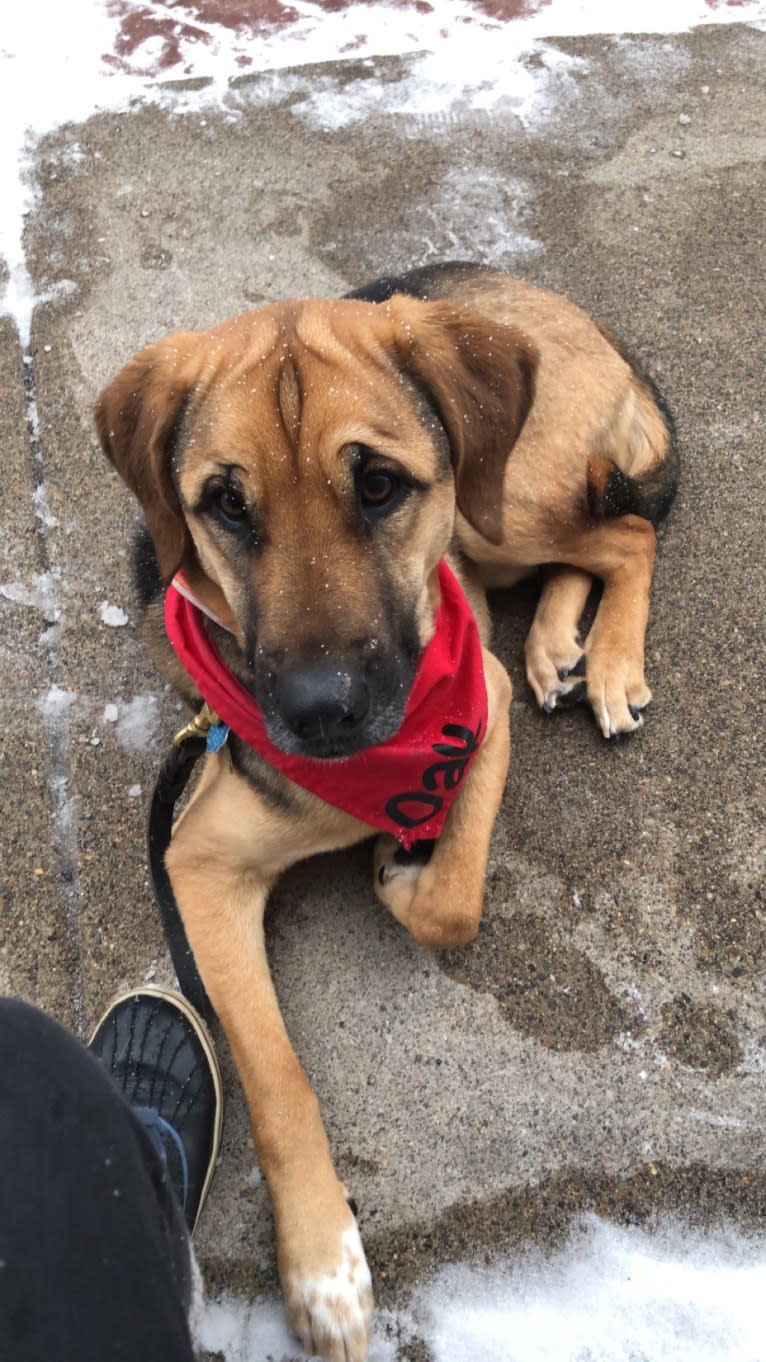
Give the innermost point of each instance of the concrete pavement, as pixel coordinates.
(602, 1044)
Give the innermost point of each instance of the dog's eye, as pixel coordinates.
(377, 488)
(230, 505)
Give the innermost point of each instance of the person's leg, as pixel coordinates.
(95, 1261)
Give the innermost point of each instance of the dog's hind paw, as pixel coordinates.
(331, 1310)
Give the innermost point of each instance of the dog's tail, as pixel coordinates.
(637, 469)
(650, 494)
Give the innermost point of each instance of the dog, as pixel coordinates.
(330, 486)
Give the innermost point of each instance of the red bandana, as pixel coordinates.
(404, 786)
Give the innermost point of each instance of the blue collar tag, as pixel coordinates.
(216, 737)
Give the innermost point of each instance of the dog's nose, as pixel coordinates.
(322, 700)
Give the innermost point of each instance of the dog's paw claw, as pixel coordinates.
(551, 667)
(568, 693)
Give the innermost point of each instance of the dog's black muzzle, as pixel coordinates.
(330, 707)
(324, 703)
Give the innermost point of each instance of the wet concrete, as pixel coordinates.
(601, 1045)
(38, 954)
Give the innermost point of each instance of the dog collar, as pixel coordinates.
(404, 786)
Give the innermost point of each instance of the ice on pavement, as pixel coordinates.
(609, 1295)
(61, 63)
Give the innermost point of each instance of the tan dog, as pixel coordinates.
(308, 466)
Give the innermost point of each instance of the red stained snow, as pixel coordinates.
(173, 27)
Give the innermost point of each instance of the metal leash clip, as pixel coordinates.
(198, 727)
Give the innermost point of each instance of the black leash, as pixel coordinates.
(188, 746)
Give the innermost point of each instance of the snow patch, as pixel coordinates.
(137, 723)
(608, 1295)
(40, 495)
(38, 596)
(55, 702)
(258, 1333)
(113, 615)
(61, 63)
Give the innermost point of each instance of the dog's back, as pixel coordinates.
(633, 462)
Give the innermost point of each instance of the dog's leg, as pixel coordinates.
(621, 552)
(226, 852)
(440, 902)
(553, 646)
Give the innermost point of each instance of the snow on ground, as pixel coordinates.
(63, 62)
(610, 1295)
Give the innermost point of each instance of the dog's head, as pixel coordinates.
(303, 463)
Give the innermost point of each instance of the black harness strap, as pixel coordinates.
(188, 746)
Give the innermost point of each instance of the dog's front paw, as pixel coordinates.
(397, 872)
(392, 862)
(551, 660)
(328, 1295)
(438, 911)
(617, 692)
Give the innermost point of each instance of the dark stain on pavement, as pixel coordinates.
(700, 1035)
(541, 1217)
(545, 987)
(699, 1198)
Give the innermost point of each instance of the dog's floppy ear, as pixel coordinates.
(480, 376)
(138, 417)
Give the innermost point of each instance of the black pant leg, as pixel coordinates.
(95, 1261)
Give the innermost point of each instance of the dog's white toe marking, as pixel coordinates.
(332, 1311)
